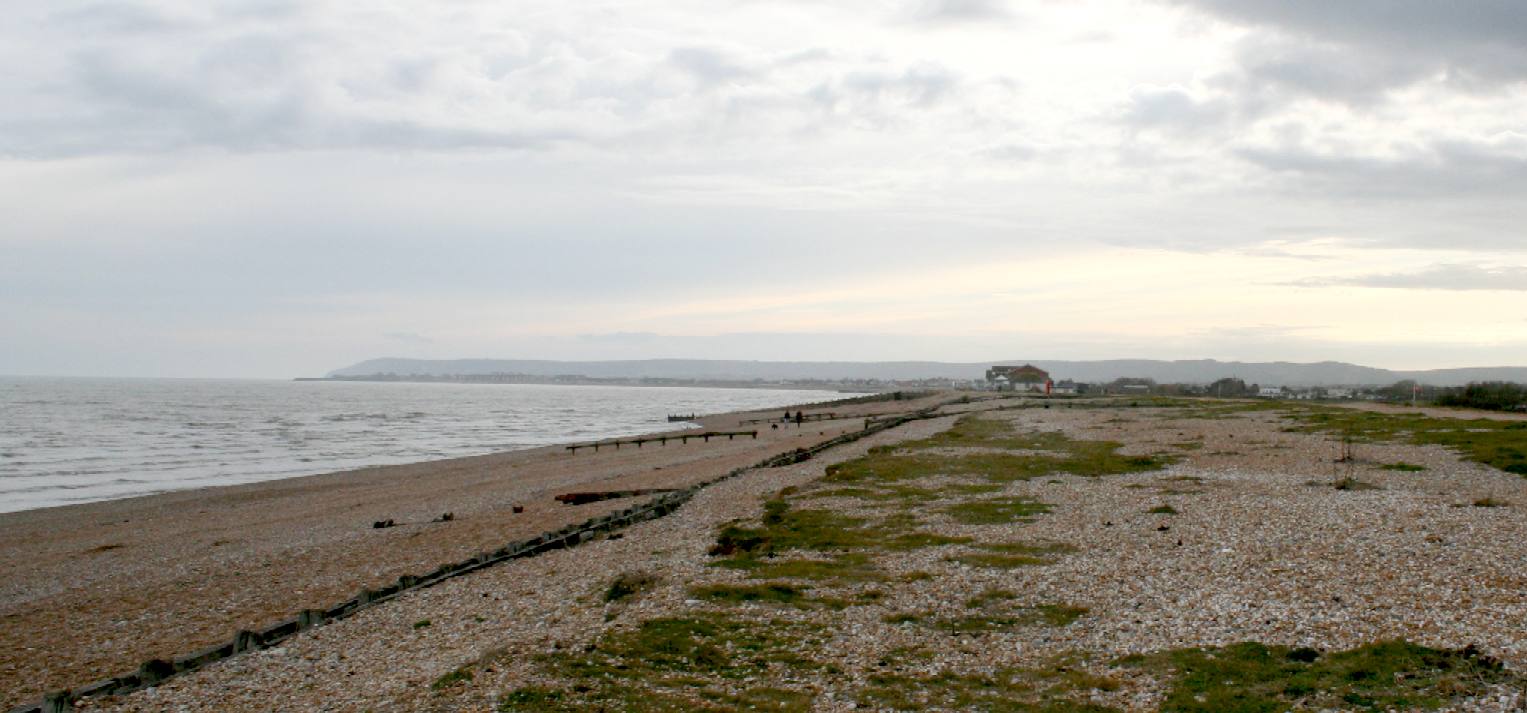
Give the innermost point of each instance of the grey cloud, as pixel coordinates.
(709, 66)
(1470, 42)
(112, 19)
(1441, 277)
(1397, 23)
(1443, 168)
(956, 11)
(247, 94)
(1270, 65)
(921, 84)
(1172, 108)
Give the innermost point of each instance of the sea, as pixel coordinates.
(74, 440)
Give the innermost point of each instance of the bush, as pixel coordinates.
(1488, 395)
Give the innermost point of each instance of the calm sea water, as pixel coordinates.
(77, 440)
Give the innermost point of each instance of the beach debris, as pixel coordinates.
(382, 524)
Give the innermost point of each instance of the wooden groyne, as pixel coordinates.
(802, 418)
(682, 438)
(581, 498)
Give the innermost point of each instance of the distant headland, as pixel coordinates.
(897, 374)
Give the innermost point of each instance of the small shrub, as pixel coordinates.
(451, 678)
(421, 624)
(1490, 503)
(1404, 467)
(628, 584)
(768, 592)
(1162, 510)
(1353, 484)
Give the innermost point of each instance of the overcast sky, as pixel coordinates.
(273, 188)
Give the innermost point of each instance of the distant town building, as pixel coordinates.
(1019, 378)
(1270, 392)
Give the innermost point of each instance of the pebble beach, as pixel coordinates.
(1220, 528)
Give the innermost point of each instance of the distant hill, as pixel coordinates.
(1199, 371)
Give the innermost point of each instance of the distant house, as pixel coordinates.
(1270, 392)
(1065, 386)
(1019, 378)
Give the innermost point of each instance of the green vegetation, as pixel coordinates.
(769, 592)
(780, 593)
(629, 584)
(1390, 675)
(764, 551)
(1490, 503)
(451, 678)
(1403, 467)
(676, 664)
(1351, 483)
(1055, 689)
(1501, 444)
(1046, 614)
(765, 643)
(1489, 395)
(989, 597)
(421, 624)
(1044, 454)
(996, 511)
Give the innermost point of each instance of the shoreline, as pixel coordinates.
(1007, 560)
(173, 452)
(160, 575)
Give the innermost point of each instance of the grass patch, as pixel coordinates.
(1007, 619)
(770, 592)
(1162, 510)
(1500, 444)
(848, 567)
(1353, 484)
(1053, 689)
(997, 511)
(421, 624)
(989, 597)
(1056, 453)
(763, 551)
(676, 664)
(1390, 675)
(1490, 503)
(452, 678)
(1403, 467)
(629, 584)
